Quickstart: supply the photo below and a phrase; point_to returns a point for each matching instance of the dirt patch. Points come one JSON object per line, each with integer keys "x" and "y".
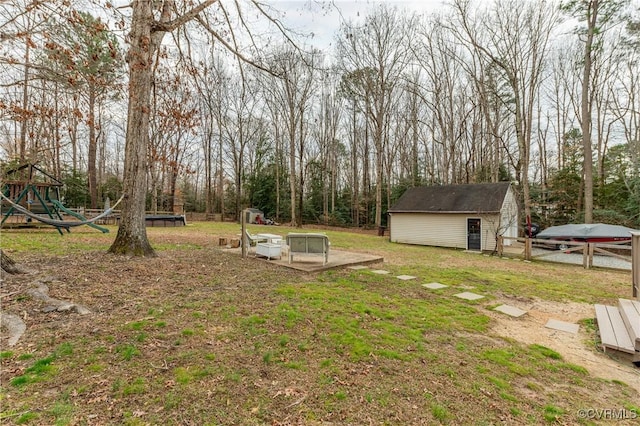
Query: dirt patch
{"x": 580, "y": 349}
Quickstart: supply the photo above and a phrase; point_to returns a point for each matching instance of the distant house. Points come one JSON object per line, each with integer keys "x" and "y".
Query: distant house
{"x": 460, "y": 216}
{"x": 253, "y": 216}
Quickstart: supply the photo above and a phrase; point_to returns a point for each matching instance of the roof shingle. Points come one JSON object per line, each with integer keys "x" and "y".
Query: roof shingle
{"x": 468, "y": 198}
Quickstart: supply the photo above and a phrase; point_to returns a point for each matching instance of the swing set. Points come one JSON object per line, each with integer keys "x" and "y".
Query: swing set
{"x": 32, "y": 192}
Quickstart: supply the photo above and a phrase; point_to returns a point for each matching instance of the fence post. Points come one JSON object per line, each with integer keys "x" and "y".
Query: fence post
{"x": 587, "y": 255}
{"x": 244, "y": 241}
{"x": 528, "y": 244}
{"x": 635, "y": 264}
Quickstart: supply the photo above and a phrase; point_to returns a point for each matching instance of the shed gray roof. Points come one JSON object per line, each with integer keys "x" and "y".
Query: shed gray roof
{"x": 469, "y": 198}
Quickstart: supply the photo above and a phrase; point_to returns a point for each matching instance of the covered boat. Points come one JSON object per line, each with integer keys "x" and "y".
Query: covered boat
{"x": 587, "y": 232}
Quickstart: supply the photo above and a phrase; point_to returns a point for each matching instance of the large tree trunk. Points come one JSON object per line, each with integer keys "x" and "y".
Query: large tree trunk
{"x": 585, "y": 104}
{"x": 132, "y": 233}
{"x": 145, "y": 37}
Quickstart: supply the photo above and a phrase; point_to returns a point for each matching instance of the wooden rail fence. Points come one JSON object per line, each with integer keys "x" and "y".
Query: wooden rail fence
{"x": 635, "y": 264}
{"x": 621, "y": 250}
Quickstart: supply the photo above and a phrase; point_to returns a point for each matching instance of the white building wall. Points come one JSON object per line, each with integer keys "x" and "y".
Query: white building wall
{"x": 509, "y": 217}
{"x": 441, "y": 230}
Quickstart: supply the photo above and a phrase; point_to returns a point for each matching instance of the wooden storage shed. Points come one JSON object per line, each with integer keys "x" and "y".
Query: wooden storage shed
{"x": 466, "y": 217}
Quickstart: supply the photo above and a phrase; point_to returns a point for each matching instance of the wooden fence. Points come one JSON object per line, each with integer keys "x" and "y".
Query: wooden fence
{"x": 190, "y": 216}
{"x": 525, "y": 246}
{"x": 113, "y": 218}
{"x": 635, "y": 264}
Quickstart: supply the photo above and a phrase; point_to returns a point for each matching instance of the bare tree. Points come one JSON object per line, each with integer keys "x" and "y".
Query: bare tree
{"x": 326, "y": 134}
{"x": 605, "y": 75}
{"x": 409, "y": 144}
{"x": 376, "y": 54}
{"x": 626, "y": 104}
{"x": 447, "y": 94}
{"x": 150, "y": 21}
{"x": 145, "y": 37}
{"x": 358, "y": 136}
{"x": 175, "y": 118}
{"x": 210, "y": 82}
{"x": 596, "y": 15}
{"x": 561, "y": 90}
{"x": 276, "y": 115}
{"x": 242, "y": 129}
{"x": 292, "y": 94}
{"x": 515, "y": 38}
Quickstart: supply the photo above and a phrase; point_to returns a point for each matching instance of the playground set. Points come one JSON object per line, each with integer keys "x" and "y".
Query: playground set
{"x": 28, "y": 192}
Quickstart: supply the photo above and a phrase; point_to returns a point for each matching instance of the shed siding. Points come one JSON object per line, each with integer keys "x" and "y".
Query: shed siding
{"x": 444, "y": 230}
{"x": 509, "y": 216}
{"x": 440, "y": 229}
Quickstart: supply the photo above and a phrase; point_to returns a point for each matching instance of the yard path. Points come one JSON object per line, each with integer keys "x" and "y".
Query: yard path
{"x": 575, "y": 349}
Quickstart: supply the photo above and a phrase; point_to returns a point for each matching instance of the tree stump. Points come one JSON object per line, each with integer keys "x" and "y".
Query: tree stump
{"x": 222, "y": 241}
{"x": 234, "y": 243}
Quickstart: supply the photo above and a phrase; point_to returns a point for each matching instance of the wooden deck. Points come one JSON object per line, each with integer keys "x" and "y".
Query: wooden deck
{"x": 337, "y": 259}
{"x": 620, "y": 326}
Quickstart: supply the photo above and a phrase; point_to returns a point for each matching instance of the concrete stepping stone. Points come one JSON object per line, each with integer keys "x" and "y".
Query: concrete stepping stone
{"x": 406, "y": 277}
{"x": 357, "y": 267}
{"x": 467, "y": 295}
{"x": 380, "y": 272}
{"x": 567, "y": 327}
{"x": 510, "y": 310}
{"x": 434, "y": 286}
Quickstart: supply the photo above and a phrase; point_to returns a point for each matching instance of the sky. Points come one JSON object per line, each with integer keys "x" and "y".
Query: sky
{"x": 322, "y": 18}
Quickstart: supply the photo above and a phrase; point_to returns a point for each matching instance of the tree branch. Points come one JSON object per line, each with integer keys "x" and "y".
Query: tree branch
{"x": 276, "y": 22}
{"x": 169, "y": 26}
{"x": 232, "y": 49}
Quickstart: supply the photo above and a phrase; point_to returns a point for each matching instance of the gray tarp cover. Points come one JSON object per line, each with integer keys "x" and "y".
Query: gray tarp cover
{"x": 585, "y": 230}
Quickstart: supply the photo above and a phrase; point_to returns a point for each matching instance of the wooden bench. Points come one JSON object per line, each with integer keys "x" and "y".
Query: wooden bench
{"x": 630, "y": 313}
{"x": 613, "y": 333}
{"x": 620, "y": 327}
{"x": 308, "y": 244}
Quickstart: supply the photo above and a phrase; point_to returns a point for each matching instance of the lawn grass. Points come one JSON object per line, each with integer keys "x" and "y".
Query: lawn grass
{"x": 200, "y": 336}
